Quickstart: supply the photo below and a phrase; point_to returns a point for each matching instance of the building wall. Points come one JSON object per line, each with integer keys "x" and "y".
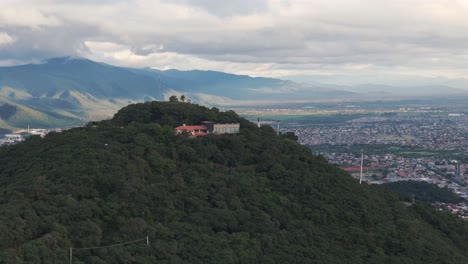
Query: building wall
{"x": 226, "y": 128}
{"x": 209, "y": 125}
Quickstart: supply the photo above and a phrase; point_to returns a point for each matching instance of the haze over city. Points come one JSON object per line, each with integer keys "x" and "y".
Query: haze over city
{"x": 418, "y": 42}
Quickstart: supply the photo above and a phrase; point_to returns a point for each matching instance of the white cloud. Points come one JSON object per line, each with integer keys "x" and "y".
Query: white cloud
{"x": 261, "y": 38}
{"x": 123, "y": 55}
{"x": 6, "y": 39}
{"x": 19, "y": 13}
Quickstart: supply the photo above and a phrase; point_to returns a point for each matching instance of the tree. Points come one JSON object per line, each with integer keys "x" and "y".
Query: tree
{"x": 182, "y": 98}
{"x": 290, "y": 135}
{"x": 173, "y": 99}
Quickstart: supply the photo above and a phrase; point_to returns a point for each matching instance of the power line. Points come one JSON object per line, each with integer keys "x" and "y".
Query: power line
{"x": 108, "y": 246}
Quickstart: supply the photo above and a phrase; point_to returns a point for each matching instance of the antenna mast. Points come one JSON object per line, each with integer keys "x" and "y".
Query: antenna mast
{"x": 362, "y": 159}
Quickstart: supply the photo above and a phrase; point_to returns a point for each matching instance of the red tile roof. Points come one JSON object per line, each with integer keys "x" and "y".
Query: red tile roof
{"x": 191, "y": 128}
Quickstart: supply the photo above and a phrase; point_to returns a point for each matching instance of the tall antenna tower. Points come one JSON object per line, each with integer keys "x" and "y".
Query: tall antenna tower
{"x": 362, "y": 160}
{"x": 277, "y": 128}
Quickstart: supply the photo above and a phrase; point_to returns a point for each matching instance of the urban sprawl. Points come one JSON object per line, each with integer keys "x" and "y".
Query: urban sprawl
{"x": 428, "y": 146}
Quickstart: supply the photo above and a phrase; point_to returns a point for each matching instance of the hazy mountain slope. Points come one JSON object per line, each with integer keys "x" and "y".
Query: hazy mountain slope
{"x": 243, "y": 87}
{"x": 75, "y": 89}
{"x": 82, "y": 89}
{"x": 400, "y": 85}
{"x": 69, "y": 90}
{"x": 251, "y": 198}
{"x": 388, "y": 90}
{"x": 15, "y": 115}
{"x": 59, "y": 75}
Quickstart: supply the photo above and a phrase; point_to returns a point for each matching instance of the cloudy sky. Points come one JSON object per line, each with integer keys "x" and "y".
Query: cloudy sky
{"x": 340, "y": 40}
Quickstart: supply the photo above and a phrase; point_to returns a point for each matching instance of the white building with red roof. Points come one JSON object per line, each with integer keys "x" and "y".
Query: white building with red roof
{"x": 208, "y": 128}
{"x": 194, "y": 131}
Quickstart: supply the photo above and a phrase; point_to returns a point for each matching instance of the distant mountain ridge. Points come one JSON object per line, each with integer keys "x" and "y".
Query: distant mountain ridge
{"x": 68, "y": 91}
{"x": 59, "y": 75}
{"x": 391, "y": 90}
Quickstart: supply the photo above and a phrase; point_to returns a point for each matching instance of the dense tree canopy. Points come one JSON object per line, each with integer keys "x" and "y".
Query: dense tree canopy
{"x": 423, "y": 191}
{"x": 251, "y": 198}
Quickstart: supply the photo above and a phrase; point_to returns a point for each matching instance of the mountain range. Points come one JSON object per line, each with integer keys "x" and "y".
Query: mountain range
{"x": 68, "y": 91}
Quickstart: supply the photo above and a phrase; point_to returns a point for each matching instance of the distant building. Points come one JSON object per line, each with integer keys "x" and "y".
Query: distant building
{"x": 194, "y": 131}
{"x": 38, "y": 132}
{"x": 11, "y": 139}
{"x": 208, "y": 127}
{"x": 211, "y": 127}
{"x": 14, "y": 137}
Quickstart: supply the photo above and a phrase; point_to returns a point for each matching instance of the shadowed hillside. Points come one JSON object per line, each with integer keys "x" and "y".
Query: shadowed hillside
{"x": 423, "y": 191}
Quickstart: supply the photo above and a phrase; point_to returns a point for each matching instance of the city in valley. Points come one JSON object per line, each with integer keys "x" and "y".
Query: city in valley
{"x": 395, "y": 142}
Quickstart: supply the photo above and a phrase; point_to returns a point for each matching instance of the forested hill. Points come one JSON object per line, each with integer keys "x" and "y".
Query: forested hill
{"x": 423, "y": 191}
{"x": 251, "y": 198}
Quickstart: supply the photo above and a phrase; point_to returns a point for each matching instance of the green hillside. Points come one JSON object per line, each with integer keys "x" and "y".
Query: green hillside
{"x": 251, "y": 198}
{"x": 423, "y": 191}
